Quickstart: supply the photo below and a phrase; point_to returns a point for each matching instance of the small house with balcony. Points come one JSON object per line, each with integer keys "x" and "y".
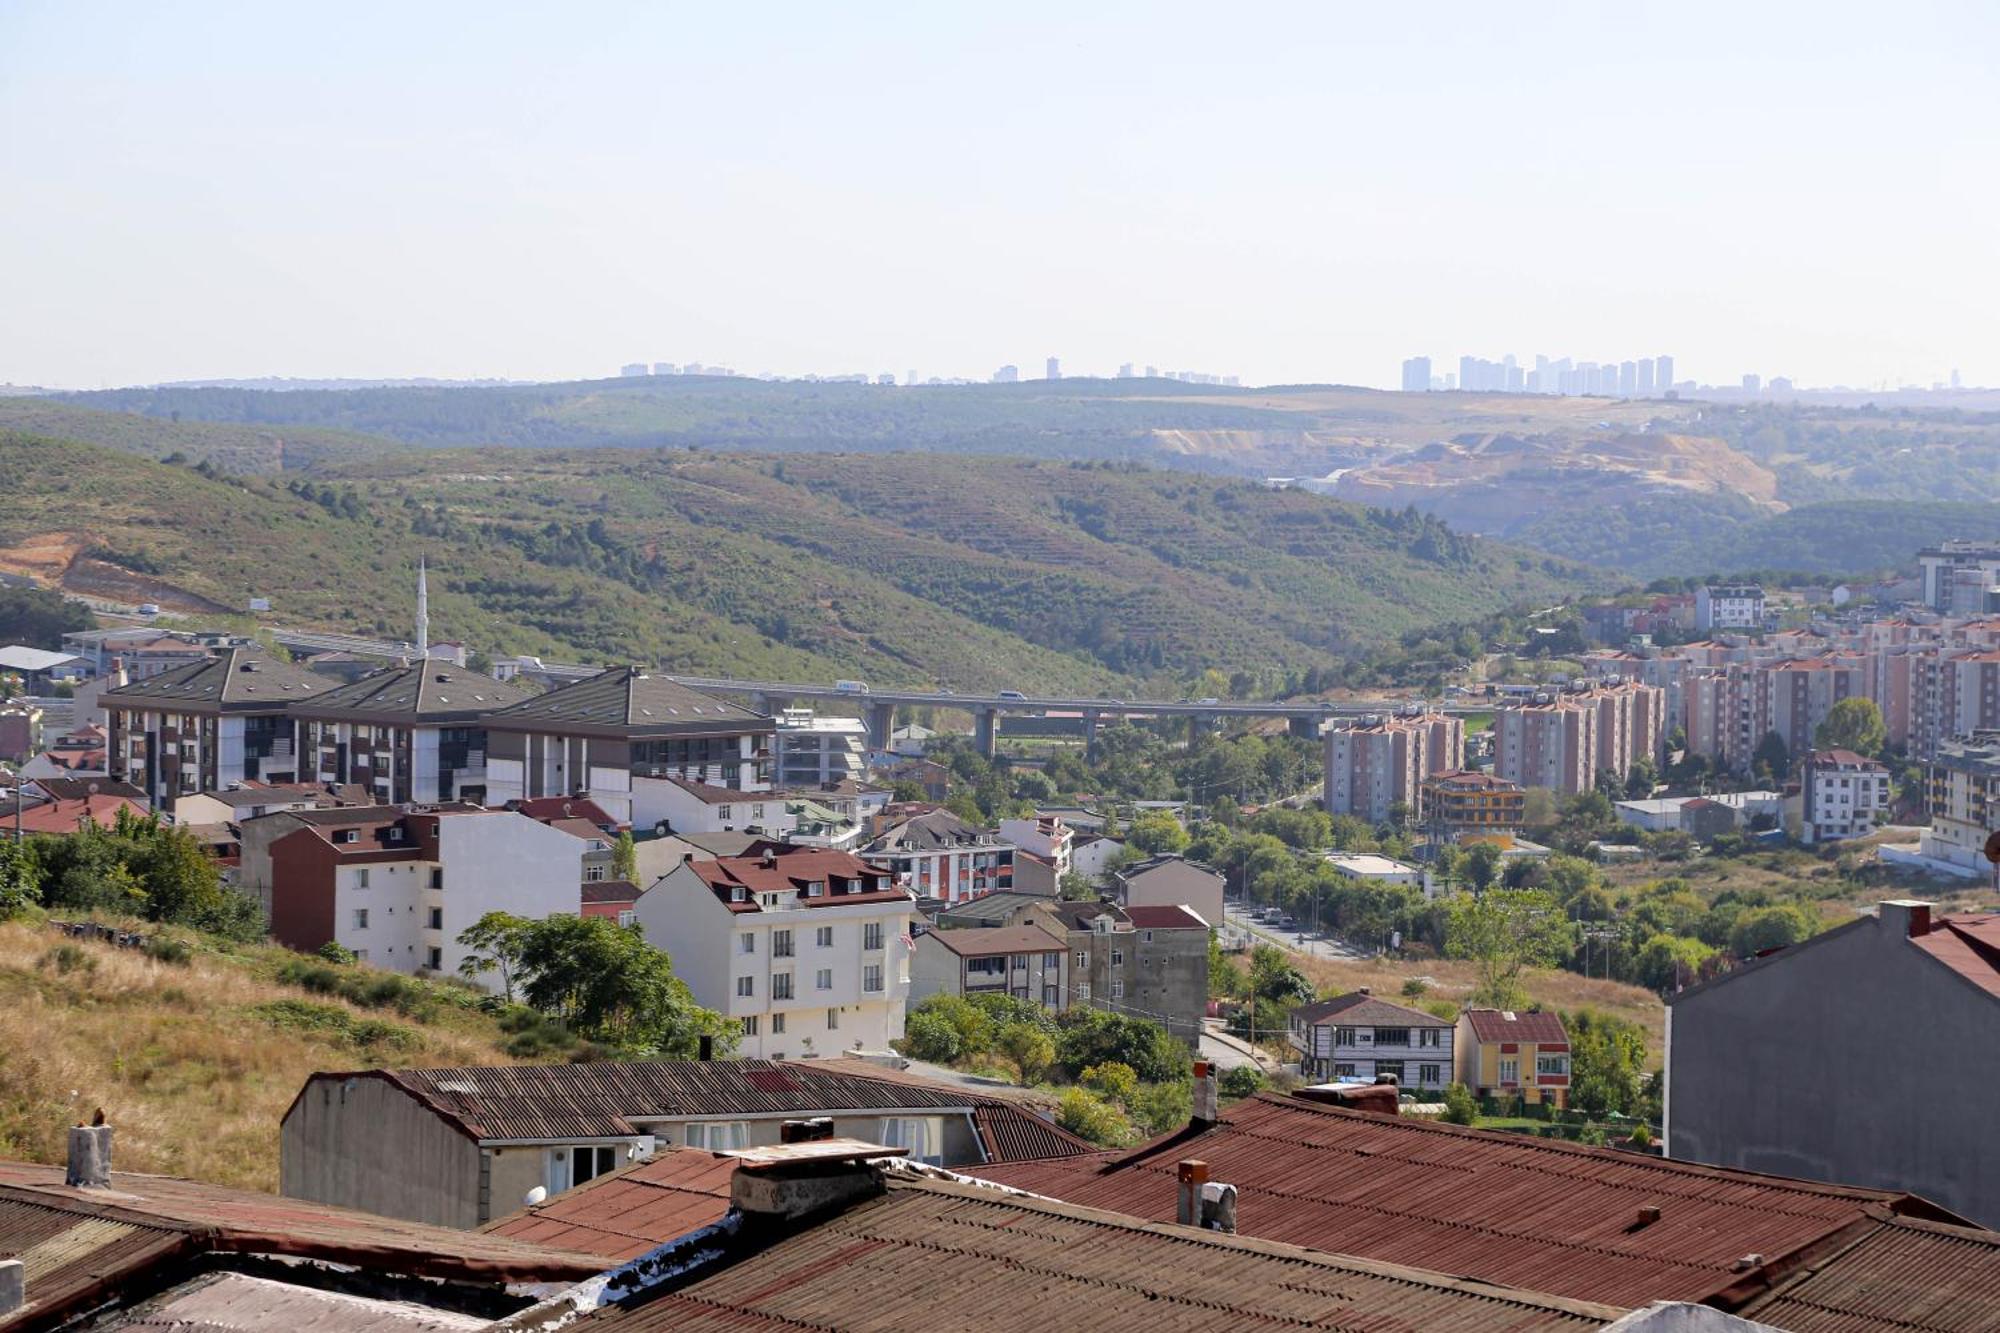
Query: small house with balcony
{"x": 1514, "y": 1053}
{"x": 1028, "y": 962}
{"x": 1358, "y": 1037}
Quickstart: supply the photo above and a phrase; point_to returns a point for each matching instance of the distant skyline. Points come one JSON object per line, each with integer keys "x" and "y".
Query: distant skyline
{"x": 1290, "y": 193}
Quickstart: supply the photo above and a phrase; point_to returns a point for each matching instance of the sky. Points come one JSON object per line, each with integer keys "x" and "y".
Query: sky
{"x": 1289, "y": 193}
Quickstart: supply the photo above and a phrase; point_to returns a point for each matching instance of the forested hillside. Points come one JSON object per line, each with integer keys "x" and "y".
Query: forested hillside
{"x": 909, "y": 569}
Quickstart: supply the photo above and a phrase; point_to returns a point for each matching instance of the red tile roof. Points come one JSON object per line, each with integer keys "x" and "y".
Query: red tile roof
{"x": 1166, "y": 918}
{"x": 1969, "y": 946}
{"x": 625, "y": 1214}
{"x": 545, "y": 808}
{"x": 610, "y": 891}
{"x": 1537, "y": 1213}
{"x": 65, "y": 816}
{"x": 1516, "y": 1025}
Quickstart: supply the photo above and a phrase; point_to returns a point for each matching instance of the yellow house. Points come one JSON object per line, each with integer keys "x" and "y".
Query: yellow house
{"x": 1525, "y": 1054}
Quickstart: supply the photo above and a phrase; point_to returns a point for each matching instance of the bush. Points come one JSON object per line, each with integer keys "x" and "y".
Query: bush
{"x": 1088, "y": 1116}
{"x": 335, "y": 952}
{"x": 68, "y": 958}
{"x": 1460, "y": 1106}
{"x": 1242, "y": 1081}
{"x": 1415, "y": 988}
{"x": 1094, "y": 1037}
{"x": 168, "y": 949}
{"x": 1160, "y": 1107}
{"x": 931, "y": 1037}
{"x": 1111, "y": 1080}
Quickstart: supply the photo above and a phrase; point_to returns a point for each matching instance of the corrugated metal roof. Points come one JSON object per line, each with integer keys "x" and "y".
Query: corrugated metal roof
{"x": 1536, "y": 1213}
{"x": 934, "y": 1255}
{"x": 1896, "y": 1273}
{"x": 68, "y": 1254}
{"x": 625, "y": 1214}
{"x": 608, "y": 1099}
{"x": 240, "y": 1303}
{"x": 1511, "y": 1025}
{"x": 1010, "y": 1134}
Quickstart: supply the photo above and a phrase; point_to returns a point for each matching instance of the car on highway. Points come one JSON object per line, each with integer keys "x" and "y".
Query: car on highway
{"x": 1288, "y": 923}
{"x": 1208, "y": 701}
{"x": 1013, "y": 694}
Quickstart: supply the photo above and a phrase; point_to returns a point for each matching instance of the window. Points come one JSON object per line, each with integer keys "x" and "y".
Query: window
{"x": 722, "y": 812}
{"x": 395, "y": 833}
{"x": 833, "y": 1020}
{"x": 361, "y": 918}
{"x": 749, "y": 1022}
{"x": 1343, "y": 1071}
{"x": 434, "y": 959}
{"x": 1428, "y": 1036}
{"x": 593, "y": 872}
{"x": 1083, "y": 990}
{"x": 1082, "y": 958}
{"x": 911, "y": 1135}
{"x": 570, "y": 1167}
{"x": 823, "y": 979}
{"x": 1427, "y": 1075}
{"x": 345, "y": 835}
{"x": 777, "y": 1025}
{"x": 719, "y": 1135}
{"x": 823, "y": 937}
{"x": 1392, "y": 1036}
{"x": 781, "y": 944}
{"x": 1052, "y": 962}
{"x": 1393, "y": 1068}
{"x": 815, "y": 888}
{"x": 781, "y": 986}
{"x": 871, "y": 978}
{"x": 1117, "y": 989}
{"x": 871, "y": 935}
{"x": 437, "y": 877}
{"x": 627, "y": 916}
{"x": 749, "y": 941}
{"x": 1117, "y": 958}
{"x": 436, "y": 920}
{"x": 361, "y": 878}
{"x": 746, "y": 987}
{"x": 1343, "y": 1036}
{"x": 992, "y": 966}
{"x": 1510, "y": 1072}
{"x": 1552, "y": 1064}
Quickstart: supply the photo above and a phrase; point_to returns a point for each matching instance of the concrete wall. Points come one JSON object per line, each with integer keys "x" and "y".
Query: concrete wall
{"x": 363, "y": 1143}
{"x": 1858, "y": 1059}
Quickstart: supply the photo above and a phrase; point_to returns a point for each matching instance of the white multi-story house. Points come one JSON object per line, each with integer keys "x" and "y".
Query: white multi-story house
{"x": 808, "y": 949}
{"x": 935, "y": 854}
{"x": 817, "y": 751}
{"x": 1358, "y": 1038}
{"x": 399, "y": 886}
{"x": 1843, "y": 795}
{"x": 695, "y": 807}
{"x": 1045, "y": 836}
{"x": 1729, "y": 606}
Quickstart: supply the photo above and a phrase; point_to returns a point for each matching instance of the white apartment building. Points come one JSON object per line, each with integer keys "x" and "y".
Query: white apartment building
{"x": 1356, "y": 1037}
{"x": 815, "y": 751}
{"x": 1964, "y": 800}
{"x": 1729, "y": 606}
{"x": 1843, "y": 795}
{"x": 807, "y": 949}
{"x": 696, "y": 807}
{"x": 935, "y": 854}
{"x": 1045, "y": 836}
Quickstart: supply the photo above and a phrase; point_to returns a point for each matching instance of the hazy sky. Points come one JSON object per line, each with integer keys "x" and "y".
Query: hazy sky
{"x": 1285, "y": 192}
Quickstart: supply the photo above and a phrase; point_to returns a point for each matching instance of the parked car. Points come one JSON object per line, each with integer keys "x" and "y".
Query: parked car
{"x": 1289, "y": 923}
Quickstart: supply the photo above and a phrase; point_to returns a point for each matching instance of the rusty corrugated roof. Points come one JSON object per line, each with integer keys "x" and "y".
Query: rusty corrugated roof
{"x": 1891, "y": 1273}
{"x": 625, "y": 1214}
{"x": 1536, "y": 1213}
{"x": 70, "y": 1255}
{"x": 934, "y": 1255}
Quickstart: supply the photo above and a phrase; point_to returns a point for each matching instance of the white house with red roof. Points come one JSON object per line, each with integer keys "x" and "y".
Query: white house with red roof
{"x": 808, "y": 949}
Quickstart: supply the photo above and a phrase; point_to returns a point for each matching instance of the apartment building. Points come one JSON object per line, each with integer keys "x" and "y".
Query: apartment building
{"x": 1460, "y": 802}
{"x": 1358, "y": 1038}
{"x": 1382, "y": 762}
{"x": 398, "y": 886}
{"x": 1842, "y": 795}
{"x": 1964, "y": 799}
{"x": 1550, "y": 742}
{"x": 618, "y": 737}
{"x": 209, "y": 725}
{"x": 1792, "y": 697}
{"x": 1631, "y": 724}
{"x": 814, "y": 751}
{"x": 1954, "y": 573}
{"x": 1172, "y": 881}
{"x": 935, "y": 854}
{"x": 1953, "y": 694}
{"x": 410, "y": 733}
{"x": 1047, "y": 837}
{"x": 808, "y": 949}
{"x": 1729, "y": 606}
{"x": 687, "y": 807}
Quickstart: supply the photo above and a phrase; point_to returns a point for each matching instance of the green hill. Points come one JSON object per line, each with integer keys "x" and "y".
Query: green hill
{"x": 909, "y": 568}
{"x": 229, "y": 446}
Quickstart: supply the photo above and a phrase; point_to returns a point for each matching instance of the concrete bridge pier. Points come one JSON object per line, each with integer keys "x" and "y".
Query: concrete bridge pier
{"x": 986, "y": 731}
{"x": 1200, "y": 725}
{"x": 881, "y": 724}
{"x": 770, "y": 705}
{"x": 1090, "y": 720}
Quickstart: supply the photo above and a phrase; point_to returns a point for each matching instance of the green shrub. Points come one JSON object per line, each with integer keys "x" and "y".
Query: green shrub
{"x": 335, "y": 952}
{"x": 1111, "y": 1080}
{"x": 1242, "y": 1081}
{"x": 168, "y": 949}
{"x": 68, "y": 958}
{"x": 1088, "y": 1116}
{"x": 931, "y": 1037}
{"x": 1460, "y": 1106}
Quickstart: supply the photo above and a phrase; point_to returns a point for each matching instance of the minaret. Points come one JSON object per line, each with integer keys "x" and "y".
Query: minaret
{"x": 423, "y": 613}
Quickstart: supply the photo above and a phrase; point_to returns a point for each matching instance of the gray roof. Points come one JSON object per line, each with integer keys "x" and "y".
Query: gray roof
{"x": 432, "y": 691}
{"x": 238, "y": 680}
{"x": 1359, "y": 1009}
{"x": 630, "y": 700}
{"x": 927, "y": 832}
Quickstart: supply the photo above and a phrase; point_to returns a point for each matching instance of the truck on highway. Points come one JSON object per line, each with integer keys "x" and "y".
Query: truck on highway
{"x": 851, "y": 686}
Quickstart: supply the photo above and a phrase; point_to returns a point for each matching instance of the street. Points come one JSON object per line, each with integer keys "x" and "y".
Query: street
{"x": 1241, "y": 922}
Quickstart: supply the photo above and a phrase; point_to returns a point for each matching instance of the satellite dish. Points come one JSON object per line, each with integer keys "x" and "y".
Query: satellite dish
{"x": 1993, "y": 847}
{"x": 534, "y": 1196}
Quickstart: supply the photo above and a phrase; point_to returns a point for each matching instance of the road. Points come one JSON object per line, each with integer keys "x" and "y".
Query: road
{"x": 1333, "y": 950}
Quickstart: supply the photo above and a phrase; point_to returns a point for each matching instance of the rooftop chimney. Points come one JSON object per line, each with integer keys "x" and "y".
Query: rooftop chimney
{"x": 706, "y": 1049}
{"x": 1204, "y": 1112}
{"x": 1189, "y": 1176}
{"x": 1363, "y": 990}
{"x": 13, "y": 1286}
{"x": 775, "y": 1186}
{"x": 89, "y": 1156}
{"x": 1911, "y": 915}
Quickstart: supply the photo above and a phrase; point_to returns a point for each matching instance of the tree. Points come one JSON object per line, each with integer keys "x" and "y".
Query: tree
{"x": 38, "y": 618}
{"x": 1077, "y": 888}
{"x": 625, "y": 858}
{"x": 1481, "y": 865}
{"x": 1505, "y": 932}
{"x": 1607, "y": 1062}
{"x": 20, "y": 886}
{"x": 1764, "y": 928}
{"x": 930, "y": 1037}
{"x": 1460, "y": 1106}
{"x": 496, "y": 941}
{"x": 1156, "y": 832}
{"x": 1111, "y": 1080}
{"x": 1771, "y": 761}
{"x": 1668, "y": 962}
{"x": 904, "y": 791}
{"x": 610, "y": 986}
{"x": 1087, "y": 1037}
{"x": 1027, "y": 1048}
{"x": 1852, "y": 724}
{"x": 1088, "y": 1116}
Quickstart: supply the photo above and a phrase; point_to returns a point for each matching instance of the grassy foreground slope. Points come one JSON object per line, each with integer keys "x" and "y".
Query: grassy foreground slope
{"x": 910, "y": 569}
{"x": 195, "y": 1062}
